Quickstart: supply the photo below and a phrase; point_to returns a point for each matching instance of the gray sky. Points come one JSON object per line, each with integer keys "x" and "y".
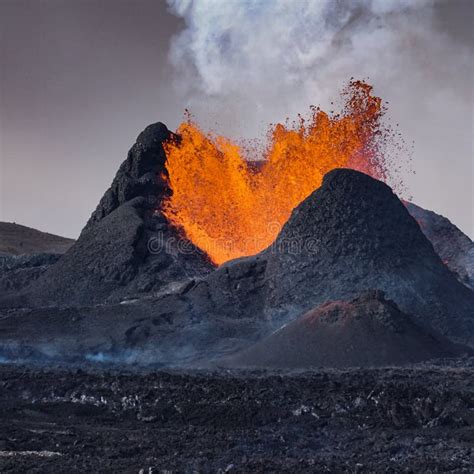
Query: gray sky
{"x": 81, "y": 78}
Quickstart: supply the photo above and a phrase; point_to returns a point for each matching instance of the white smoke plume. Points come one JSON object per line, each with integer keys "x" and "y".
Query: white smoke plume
{"x": 241, "y": 64}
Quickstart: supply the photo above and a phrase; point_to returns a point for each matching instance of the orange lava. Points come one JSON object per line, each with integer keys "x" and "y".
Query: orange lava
{"x": 230, "y": 207}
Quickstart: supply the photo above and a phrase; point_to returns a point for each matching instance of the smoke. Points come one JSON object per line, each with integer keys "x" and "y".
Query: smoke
{"x": 243, "y": 64}
{"x": 61, "y": 352}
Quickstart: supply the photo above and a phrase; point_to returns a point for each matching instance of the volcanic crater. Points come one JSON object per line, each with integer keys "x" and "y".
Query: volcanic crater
{"x": 135, "y": 287}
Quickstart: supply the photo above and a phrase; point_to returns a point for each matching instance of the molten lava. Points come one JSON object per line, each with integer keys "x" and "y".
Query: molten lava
{"x": 230, "y": 207}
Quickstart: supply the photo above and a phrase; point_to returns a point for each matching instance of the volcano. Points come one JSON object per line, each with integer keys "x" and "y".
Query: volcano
{"x": 366, "y": 331}
{"x": 222, "y": 188}
{"x": 127, "y": 246}
{"x": 351, "y": 234}
{"x": 134, "y": 282}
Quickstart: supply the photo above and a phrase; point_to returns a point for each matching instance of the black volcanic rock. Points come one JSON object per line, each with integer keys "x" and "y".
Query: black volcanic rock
{"x": 411, "y": 420}
{"x": 455, "y": 248}
{"x": 127, "y": 247}
{"x": 140, "y": 175}
{"x": 351, "y": 234}
{"x": 354, "y": 233}
{"x": 368, "y": 331}
{"x": 19, "y": 271}
{"x": 25, "y": 254}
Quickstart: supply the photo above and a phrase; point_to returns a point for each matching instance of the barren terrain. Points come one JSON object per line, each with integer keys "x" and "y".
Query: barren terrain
{"x": 418, "y": 419}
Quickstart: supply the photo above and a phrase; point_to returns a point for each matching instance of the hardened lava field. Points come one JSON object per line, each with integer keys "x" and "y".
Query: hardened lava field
{"x": 417, "y": 419}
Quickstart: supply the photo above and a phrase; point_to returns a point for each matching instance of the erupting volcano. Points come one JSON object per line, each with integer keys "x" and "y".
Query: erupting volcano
{"x": 230, "y": 206}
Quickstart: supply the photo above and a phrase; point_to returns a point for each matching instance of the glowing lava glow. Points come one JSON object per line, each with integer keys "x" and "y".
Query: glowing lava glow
{"x": 230, "y": 207}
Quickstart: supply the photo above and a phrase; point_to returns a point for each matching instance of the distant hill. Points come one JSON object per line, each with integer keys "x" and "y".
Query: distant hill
{"x": 455, "y": 249}
{"x": 16, "y": 239}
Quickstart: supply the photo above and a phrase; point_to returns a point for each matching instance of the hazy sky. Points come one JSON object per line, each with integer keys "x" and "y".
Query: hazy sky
{"x": 81, "y": 78}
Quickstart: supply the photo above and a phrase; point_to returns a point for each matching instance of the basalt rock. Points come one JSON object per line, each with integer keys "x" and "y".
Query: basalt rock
{"x": 455, "y": 248}
{"x": 368, "y": 331}
{"x": 351, "y": 234}
{"x": 415, "y": 419}
{"x": 18, "y": 271}
{"x": 142, "y": 175}
{"x": 127, "y": 246}
{"x": 25, "y": 254}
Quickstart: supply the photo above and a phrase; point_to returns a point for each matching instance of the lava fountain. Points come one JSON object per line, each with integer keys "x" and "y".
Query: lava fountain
{"x": 231, "y": 207}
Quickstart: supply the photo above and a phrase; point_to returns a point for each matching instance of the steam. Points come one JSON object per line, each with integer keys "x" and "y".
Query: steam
{"x": 243, "y": 64}
{"x": 264, "y": 60}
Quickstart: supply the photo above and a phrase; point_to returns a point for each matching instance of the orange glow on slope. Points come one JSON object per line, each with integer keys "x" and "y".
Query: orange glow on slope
{"x": 230, "y": 207}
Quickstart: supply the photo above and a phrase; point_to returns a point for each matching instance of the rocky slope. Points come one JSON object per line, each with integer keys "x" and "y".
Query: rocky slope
{"x": 18, "y": 239}
{"x": 25, "y": 254}
{"x": 455, "y": 248}
{"x": 351, "y": 234}
{"x": 19, "y": 271}
{"x": 367, "y": 331}
{"x": 127, "y": 247}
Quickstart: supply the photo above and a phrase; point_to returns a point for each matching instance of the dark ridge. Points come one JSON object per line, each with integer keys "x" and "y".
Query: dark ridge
{"x": 455, "y": 249}
{"x": 25, "y": 254}
{"x": 127, "y": 247}
{"x": 354, "y": 233}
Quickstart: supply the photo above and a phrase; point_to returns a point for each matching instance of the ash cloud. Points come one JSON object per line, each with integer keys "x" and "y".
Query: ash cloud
{"x": 243, "y": 64}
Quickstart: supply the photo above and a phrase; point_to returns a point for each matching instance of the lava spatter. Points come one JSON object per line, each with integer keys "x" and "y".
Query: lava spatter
{"x": 230, "y": 207}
